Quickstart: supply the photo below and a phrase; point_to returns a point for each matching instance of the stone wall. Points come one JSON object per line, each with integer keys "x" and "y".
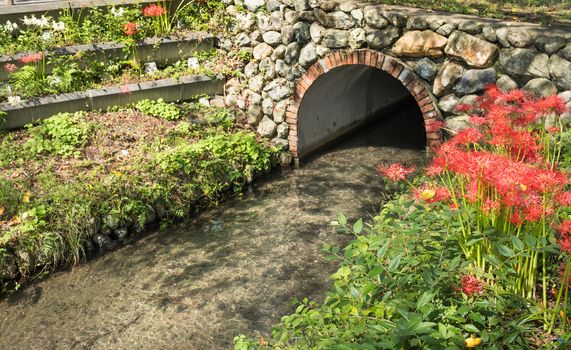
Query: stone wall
{"x": 442, "y": 59}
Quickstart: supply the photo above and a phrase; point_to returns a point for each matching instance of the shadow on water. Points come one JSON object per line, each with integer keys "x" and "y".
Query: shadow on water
{"x": 229, "y": 271}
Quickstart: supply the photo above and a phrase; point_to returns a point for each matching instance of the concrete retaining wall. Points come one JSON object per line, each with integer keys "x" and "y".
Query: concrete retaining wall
{"x": 170, "y": 90}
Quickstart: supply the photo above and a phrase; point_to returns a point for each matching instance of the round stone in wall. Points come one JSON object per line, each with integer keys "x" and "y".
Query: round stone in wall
{"x": 448, "y": 103}
{"x": 308, "y": 55}
{"x": 550, "y": 44}
{"x": 560, "y": 72}
{"x": 374, "y": 18}
{"x": 426, "y": 69}
{"x": 506, "y": 84}
{"x": 420, "y": 44}
{"x": 253, "y": 5}
{"x": 475, "y": 80}
{"x": 520, "y": 37}
{"x": 267, "y": 127}
{"x": 380, "y": 39}
{"x": 335, "y": 38}
{"x": 357, "y": 38}
{"x": 540, "y": 88}
{"x": 272, "y": 38}
{"x": 262, "y": 51}
{"x": 455, "y": 124}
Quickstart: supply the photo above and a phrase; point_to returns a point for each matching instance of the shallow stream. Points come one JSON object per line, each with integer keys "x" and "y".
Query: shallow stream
{"x": 231, "y": 270}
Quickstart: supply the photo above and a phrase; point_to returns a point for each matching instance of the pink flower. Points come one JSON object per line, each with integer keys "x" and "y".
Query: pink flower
{"x": 470, "y": 285}
{"x": 395, "y": 171}
{"x": 32, "y": 58}
{"x": 130, "y": 28}
{"x": 153, "y": 10}
{"x": 10, "y": 67}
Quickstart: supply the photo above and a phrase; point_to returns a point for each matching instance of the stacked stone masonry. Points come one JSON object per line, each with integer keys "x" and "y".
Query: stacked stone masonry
{"x": 443, "y": 60}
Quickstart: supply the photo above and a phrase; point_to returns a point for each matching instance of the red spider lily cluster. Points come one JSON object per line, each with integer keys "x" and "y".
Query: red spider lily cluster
{"x": 395, "y": 171}
{"x": 154, "y": 10}
{"x": 502, "y": 159}
{"x": 32, "y": 58}
{"x": 130, "y": 28}
{"x": 504, "y": 168}
{"x": 470, "y": 285}
{"x": 10, "y": 67}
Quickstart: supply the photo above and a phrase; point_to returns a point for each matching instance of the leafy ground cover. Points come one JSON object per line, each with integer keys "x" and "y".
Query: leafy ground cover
{"x": 77, "y": 176}
{"x": 536, "y": 11}
{"x": 110, "y": 24}
{"x": 78, "y": 73}
{"x": 476, "y": 255}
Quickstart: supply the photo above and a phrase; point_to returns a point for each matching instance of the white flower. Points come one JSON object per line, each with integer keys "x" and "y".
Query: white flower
{"x": 38, "y": 22}
{"x": 58, "y": 26}
{"x": 44, "y": 22}
{"x": 14, "y": 100}
{"x": 47, "y": 35}
{"x": 10, "y": 27}
{"x": 28, "y": 21}
{"x": 118, "y": 12}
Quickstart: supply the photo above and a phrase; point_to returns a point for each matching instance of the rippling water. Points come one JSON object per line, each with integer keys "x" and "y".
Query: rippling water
{"x": 230, "y": 270}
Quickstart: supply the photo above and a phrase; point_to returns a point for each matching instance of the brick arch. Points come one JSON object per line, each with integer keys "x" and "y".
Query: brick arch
{"x": 417, "y": 87}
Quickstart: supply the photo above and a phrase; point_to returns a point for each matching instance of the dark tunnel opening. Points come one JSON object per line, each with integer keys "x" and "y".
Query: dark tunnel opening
{"x": 351, "y": 98}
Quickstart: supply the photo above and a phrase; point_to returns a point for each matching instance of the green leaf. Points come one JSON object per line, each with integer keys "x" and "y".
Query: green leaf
{"x": 505, "y": 250}
{"x": 424, "y": 299}
{"x": 358, "y": 226}
{"x": 383, "y": 250}
{"x": 517, "y": 243}
{"x": 342, "y": 219}
{"x": 394, "y": 263}
{"x": 471, "y": 328}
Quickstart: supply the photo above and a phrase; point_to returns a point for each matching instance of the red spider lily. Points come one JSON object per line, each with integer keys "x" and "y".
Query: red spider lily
{"x": 477, "y": 121}
{"x": 434, "y": 170}
{"x": 10, "y": 67}
{"x": 130, "y": 28}
{"x": 470, "y": 285}
{"x": 32, "y": 58}
{"x": 434, "y": 125}
{"x": 466, "y": 136}
{"x": 565, "y": 244}
{"x": 564, "y": 198}
{"x": 565, "y": 228}
{"x": 516, "y": 219}
{"x": 395, "y": 171}
{"x": 491, "y": 206}
{"x": 154, "y": 10}
{"x": 462, "y": 108}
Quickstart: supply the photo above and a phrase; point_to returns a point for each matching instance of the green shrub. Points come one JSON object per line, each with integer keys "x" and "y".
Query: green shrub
{"x": 399, "y": 287}
{"x": 63, "y": 134}
{"x": 159, "y": 109}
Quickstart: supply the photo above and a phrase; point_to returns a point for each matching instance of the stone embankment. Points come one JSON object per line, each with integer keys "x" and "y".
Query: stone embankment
{"x": 455, "y": 56}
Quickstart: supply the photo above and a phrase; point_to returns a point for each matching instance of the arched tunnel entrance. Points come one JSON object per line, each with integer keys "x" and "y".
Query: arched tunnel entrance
{"x": 350, "y": 97}
{"x": 348, "y": 91}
